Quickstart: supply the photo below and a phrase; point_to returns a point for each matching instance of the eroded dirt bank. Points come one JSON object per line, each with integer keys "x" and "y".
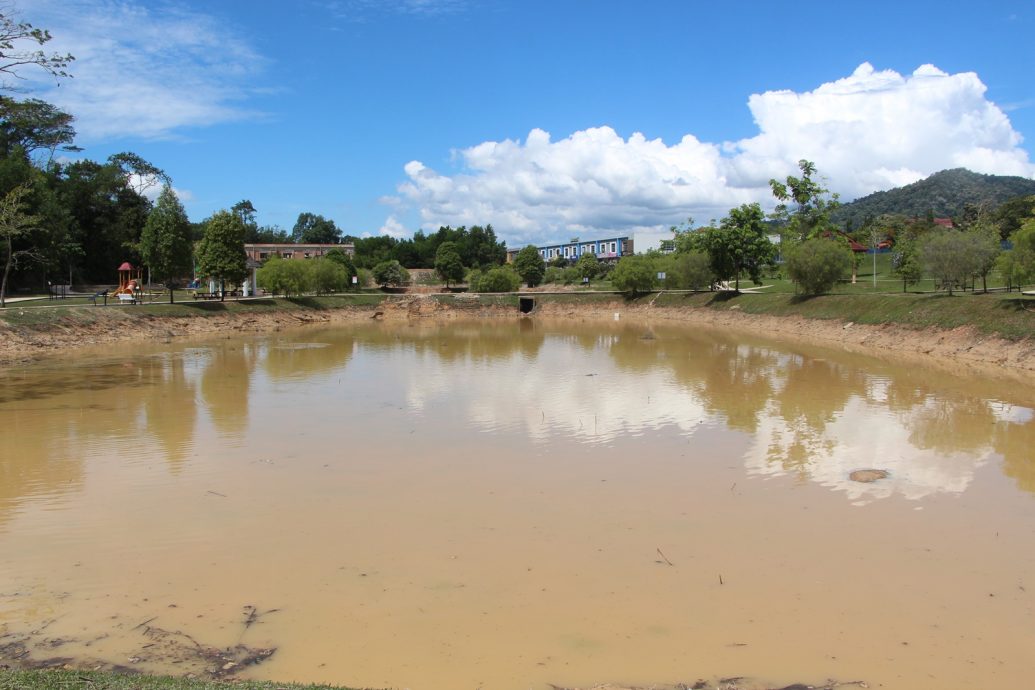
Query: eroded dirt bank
{"x": 955, "y": 347}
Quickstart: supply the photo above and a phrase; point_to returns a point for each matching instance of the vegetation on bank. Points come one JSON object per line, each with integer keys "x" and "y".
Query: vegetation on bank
{"x": 96, "y": 680}
{"x": 54, "y": 312}
{"x": 1006, "y": 315}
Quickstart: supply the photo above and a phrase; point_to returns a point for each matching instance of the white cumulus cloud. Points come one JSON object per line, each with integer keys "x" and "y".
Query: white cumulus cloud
{"x": 871, "y": 130}
{"x": 144, "y": 70}
{"x": 393, "y": 228}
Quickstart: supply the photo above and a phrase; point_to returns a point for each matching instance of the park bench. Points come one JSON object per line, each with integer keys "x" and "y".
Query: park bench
{"x": 125, "y": 298}
{"x": 206, "y": 295}
{"x": 102, "y": 293}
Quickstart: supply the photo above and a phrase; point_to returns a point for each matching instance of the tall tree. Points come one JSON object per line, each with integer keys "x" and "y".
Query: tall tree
{"x": 141, "y": 175}
{"x": 106, "y": 217}
{"x": 340, "y": 257}
{"x": 314, "y": 229}
{"x": 950, "y": 257}
{"x": 739, "y": 246}
{"x": 14, "y": 223}
{"x": 530, "y": 265}
{"x": 1024, "y": 249}
{"x": 14, "y": 56}
{"x": 448, "y": 264}
{"x": 35, "y": 126}
{"x": 805, "y": 205}
{"x": 165, "y": 243}
{"x": 221, "y": 251}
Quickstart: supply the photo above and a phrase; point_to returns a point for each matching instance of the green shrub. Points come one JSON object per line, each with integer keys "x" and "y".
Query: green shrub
{"x": 689, "y": 271}
{"x": 634, "y": 274}
{"x": 499, "y": 279}
{"x": 553, "y": 275}
{"x": 391, "y": 273}
{"x": 817, "y": 264}
{"x": 327, "y": 275}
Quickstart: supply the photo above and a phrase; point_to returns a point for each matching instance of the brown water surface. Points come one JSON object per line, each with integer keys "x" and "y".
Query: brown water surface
{"x": 509, "y": 505}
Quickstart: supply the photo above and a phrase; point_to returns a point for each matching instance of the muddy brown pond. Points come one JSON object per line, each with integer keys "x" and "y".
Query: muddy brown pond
{"x": 515, "y": 505}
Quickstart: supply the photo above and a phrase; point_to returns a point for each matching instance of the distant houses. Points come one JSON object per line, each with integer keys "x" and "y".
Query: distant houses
{"x": 609, "y": 249}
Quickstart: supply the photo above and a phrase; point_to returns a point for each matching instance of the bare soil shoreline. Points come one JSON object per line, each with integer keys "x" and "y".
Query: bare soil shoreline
{"x": 22, "y": 344}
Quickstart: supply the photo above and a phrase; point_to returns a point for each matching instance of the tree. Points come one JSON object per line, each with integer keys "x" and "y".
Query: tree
{"x": 689, "y": 271}
{"x": 326, "y": 275}
{"x": 390, "y": 273}
{"x": 530, "y": 265}
{"x": 34, "y": 125}
{"x": 817, "y": 264}
{"x": 949, "y": 256}
{"x": 480, "y": 247}
{"x": 634, "y": 274}
{"x": 905, "y": 262}
{"x": 272, "y": 277}
{"x": 140, "y": 175}
{"x": 810, "y": 214}
{"x": 105, "y": 217}
{"x": 221, "y": 251}
{"x": 165, "y": 243}
{"x": 586, "y": 267}
{"x": 740, "y": 245}
{"x": 341, "y": 257}
{"x": 13, "y": 57}
{"x": 1024, "y": 249}
{"x": 1011, "y": 270}
{"x": 1013, "y": 213}
{"x": 448, "y": 264}
{"x": 245, "y": 210}
{"x": 985, "y": 246}
{"x": 314, "y": 229}
{"x": 14, "y": 223}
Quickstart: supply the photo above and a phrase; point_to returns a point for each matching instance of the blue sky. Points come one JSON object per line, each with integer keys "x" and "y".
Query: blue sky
{"x": 546, "y": 119}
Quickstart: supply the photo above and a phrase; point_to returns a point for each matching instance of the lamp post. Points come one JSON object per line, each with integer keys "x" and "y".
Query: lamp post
{"x": 874, "y": 241}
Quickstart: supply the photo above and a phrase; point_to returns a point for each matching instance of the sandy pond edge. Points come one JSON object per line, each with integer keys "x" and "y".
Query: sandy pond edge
{"x": 938, "y": 347}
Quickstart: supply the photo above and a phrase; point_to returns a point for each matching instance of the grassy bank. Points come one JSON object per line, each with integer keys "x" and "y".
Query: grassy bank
{"x": 1007, "y": 315}
{"x": 95, "y": 680}
{"x": 52, "y": 312}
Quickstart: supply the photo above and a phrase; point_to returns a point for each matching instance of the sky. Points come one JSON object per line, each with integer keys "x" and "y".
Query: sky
{"x": 548, "y": 120}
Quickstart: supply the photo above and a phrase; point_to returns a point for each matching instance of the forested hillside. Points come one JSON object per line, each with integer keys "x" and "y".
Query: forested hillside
{"x": 943, "y": 194}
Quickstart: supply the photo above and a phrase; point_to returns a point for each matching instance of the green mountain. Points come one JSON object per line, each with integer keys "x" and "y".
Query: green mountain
{"x": 944, "y": 194}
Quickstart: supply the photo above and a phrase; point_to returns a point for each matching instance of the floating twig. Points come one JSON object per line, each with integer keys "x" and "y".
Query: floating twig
{"x": 216, "y": 493}
{"x": 665, "y": 558}
{"x": 140, "y": 625}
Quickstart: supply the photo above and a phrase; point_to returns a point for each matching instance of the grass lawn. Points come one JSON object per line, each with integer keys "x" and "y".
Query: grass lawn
{"x": 1007, "y": 315}
{"x": 93, "y": 680}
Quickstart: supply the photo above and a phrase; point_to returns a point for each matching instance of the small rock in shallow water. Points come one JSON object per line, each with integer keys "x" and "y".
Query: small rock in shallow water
{"x": 867, "y": 476}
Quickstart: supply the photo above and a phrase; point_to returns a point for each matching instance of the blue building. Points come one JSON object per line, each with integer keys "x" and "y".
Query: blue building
{"x": 610, "y": 249}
